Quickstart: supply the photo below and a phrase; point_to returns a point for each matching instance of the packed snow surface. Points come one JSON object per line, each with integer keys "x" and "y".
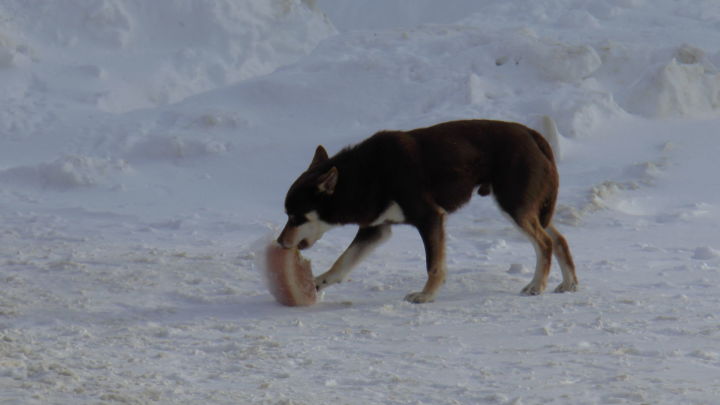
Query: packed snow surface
{"x": 146, "y": 148}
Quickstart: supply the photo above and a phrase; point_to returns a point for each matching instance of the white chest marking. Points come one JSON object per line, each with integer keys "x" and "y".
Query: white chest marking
{"x": 393, "y": 214}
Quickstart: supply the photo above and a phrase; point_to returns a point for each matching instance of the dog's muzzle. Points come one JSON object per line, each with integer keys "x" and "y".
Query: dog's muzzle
{"x": 284, "y": 239}
{"x": 289, "y": 238}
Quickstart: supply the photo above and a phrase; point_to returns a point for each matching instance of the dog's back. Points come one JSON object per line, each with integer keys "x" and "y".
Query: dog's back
{"x": 507, "y": 158}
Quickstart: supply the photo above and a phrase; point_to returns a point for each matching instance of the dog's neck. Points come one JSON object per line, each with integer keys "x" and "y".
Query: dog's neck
{"x": 360, "y": 182}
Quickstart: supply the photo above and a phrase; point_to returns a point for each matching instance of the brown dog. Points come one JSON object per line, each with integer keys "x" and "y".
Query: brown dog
{"x": 417, "y": 177}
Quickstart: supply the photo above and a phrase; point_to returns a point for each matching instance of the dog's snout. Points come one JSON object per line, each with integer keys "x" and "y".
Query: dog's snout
{"x": 282, "y": 239}
{"x": 288, "y": 237}
{"x": 303, "y": 236}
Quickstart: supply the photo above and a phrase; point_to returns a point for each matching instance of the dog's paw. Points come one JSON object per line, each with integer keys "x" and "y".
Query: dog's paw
{"x": 321, "y": 282}
{"x": 566, "y": 287}
{"x": 326, "y": 280}
{"x": 419, "y": 298}
{"x": 533, "y": 289}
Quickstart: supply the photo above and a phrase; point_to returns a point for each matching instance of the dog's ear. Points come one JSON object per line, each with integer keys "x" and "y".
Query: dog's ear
{"x": 321, "y": 155}
{"x": 328, "y": 181}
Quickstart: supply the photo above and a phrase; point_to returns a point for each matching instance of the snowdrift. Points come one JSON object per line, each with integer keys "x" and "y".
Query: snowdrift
{"x": 686, "y": 86}
{"x": 119, "y": 55}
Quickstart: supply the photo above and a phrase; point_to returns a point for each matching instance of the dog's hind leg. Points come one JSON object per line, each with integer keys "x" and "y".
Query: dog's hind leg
{"x": 543, "y": 244}
{"x": 564, "y": 258}
{"x": 432, "y": 231}
{"x": 366, "y": 240}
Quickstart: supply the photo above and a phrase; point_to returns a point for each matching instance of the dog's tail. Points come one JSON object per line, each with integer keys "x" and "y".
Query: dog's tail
{"x": 547, "y": 144}
{"x": 550, "y": 131}
{"x": 543, "y": 145}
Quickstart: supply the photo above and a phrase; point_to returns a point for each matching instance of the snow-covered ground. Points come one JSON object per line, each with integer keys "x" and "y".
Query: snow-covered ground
{"x": 146, "y": 148}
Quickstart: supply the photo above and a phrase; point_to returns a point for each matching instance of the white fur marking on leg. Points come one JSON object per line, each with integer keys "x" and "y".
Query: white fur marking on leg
{"x": 349, "y": 259}
{"x": 393, "y": 214}
{"x": 341, "y": 268}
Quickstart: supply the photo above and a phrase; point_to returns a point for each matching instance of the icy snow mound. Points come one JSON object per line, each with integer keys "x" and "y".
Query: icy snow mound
{"x": 687, "y": 86}
{"x": 66, "y": 173}
{"x": 585, "y": 61}
{"x": 501, "y": 61}
{"x": 348, "y": 15}
{"x": 119, "y": 55}
{"x": 159, "y": 148}
{"x": 706, "y": 253}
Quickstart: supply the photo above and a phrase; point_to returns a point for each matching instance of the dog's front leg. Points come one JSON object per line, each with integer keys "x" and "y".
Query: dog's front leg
{"x": 432, "y": 231}
{"x": 366, "y": 240}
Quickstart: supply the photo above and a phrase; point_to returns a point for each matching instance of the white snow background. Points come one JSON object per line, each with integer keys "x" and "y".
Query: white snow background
{"x": 146, "y": 147}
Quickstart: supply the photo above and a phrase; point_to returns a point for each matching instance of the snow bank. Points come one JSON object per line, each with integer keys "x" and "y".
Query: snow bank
{"x": 464, "y": 69}
{"x": 118, "y": 55}
{"x": 677, "y": 89}
{"x": 348, "y": 15}
{"x": 565, "y": 62}
{"x": 706, "y": 253}
{"x": 158, "y": 148}
{"x": 66, "y": 173}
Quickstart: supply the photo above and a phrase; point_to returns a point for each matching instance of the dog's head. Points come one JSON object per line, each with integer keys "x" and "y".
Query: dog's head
{"x": 303, "y": 203}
